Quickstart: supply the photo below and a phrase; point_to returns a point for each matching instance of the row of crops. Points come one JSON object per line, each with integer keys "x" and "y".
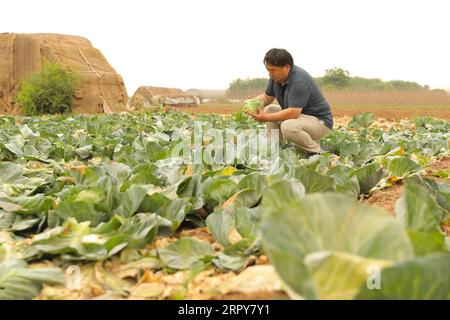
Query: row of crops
{"x": 87, "y": 189}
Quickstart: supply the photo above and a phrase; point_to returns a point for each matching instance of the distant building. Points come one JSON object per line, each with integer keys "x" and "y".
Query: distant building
{"x": 146, "y": 96}
{"x": 208, "y": 95}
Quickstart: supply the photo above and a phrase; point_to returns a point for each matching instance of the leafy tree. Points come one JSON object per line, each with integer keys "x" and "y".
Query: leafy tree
{"x": 246, "y": 88}
{"x": 336, "y": 78}
{"x": 405, "y": 85}
{"x": 48, "y": 91}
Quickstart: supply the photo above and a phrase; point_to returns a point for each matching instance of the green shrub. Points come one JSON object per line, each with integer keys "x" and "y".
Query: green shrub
{"x": 48, "y": 91}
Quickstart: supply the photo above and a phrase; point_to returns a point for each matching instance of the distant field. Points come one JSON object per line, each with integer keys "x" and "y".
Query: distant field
{"x": 388, "y": 97}
{"x": 364, "y": 97}
{"x": 389, "y": 104}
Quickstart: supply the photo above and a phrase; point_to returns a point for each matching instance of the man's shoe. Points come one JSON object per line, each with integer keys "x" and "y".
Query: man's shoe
{"x": 312, "y": 154}
{"x": 326, "y": 149}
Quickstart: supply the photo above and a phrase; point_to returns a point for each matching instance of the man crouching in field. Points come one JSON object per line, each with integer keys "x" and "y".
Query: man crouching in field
{"x": 303, "y": 116}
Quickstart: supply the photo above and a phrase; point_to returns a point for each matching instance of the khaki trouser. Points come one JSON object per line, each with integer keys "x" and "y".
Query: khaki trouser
{"x": 304, "y": 131}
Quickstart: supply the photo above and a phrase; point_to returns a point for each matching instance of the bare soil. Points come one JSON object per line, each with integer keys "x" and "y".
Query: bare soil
{"x": 386, "y": 198}
{"x": 388, "y": 113}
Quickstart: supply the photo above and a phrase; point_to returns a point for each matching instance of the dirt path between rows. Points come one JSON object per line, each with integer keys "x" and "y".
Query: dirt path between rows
{"x": 386, "y": 198}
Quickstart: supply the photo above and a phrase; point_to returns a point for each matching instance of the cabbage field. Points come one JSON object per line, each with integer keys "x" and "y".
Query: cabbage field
{"x": 105, "y": 207}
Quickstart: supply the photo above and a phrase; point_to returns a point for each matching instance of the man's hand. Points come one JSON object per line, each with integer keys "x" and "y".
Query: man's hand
{"x": 289, "y": 113}
{"x": 260, "y": 116}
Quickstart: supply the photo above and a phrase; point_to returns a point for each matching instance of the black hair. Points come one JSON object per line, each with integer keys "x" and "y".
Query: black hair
{"x": 278, "y": 58}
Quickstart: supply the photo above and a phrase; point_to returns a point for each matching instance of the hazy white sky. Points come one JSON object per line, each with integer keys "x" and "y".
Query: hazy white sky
{"x": 207, "y": 44}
